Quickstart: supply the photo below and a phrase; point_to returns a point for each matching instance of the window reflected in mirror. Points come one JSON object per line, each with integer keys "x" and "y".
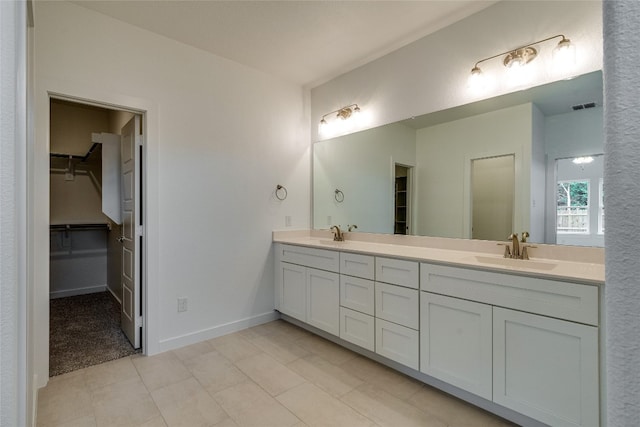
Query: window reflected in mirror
{"x": 580, "y": 201}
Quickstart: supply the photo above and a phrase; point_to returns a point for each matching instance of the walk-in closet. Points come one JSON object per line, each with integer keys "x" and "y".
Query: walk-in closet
{"x": 86, "y": 230}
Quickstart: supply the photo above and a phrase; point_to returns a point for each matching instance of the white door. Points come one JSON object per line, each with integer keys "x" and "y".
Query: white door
{"x": 493, "y": 195}
{"x": 131, "y": 316}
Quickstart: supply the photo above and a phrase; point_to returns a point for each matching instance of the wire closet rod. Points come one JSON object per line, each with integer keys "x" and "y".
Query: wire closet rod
{"x": 68, "y": 227}
{"x": 75, "y": 156}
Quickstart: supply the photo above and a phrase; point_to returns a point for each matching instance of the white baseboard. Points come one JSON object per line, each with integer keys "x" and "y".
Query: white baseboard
{"x": 77, "y": 291}
{"x": 216, "y": 331}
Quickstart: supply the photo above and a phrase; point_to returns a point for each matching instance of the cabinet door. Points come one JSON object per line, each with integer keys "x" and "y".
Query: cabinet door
{"x": 456, "y": 342}
{"x": 323, "y": 300}
{"x": 546, "y": 368}
{"x": 292, "y": 283}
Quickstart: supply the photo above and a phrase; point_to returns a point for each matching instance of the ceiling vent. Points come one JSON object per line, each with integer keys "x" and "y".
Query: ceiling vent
{"x": 583, "y": 106}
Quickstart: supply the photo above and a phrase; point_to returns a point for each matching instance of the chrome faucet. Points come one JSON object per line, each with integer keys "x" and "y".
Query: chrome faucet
{"x": 352, "y": 227}
{"x": 337, "y": 234}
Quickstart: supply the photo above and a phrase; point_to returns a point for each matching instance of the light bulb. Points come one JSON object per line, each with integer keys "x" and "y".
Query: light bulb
{"x": 477, "y": 80}
{"x": 564, "y": 55}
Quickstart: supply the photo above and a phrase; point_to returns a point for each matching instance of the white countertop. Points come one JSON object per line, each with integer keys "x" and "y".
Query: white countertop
{"x": 575, "y": 271}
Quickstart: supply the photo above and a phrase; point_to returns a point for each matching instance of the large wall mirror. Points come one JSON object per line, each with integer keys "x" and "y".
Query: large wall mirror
{"x": 526, "y": 161}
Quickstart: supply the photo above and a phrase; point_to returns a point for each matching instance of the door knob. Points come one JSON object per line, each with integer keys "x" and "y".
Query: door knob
{"x": 121, "y": 239}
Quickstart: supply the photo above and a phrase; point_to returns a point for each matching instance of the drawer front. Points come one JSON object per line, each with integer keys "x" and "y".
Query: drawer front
{"x": 397, "y": 304}
{"x": 357, "y": 265}
{"x": 357, "y": 328}
{"x": 357, "y": 294}
{"x": 397, "y": 272}
{"x": 569, "y": 301}
{"x": 310, "y": 257}
{"x": 397, "y": 343}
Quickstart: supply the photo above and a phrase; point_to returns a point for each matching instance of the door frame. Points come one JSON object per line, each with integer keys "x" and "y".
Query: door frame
{"x": 38, "y": 211}
{"x": 142, "y": 248}
{"x": 410, "y": 191}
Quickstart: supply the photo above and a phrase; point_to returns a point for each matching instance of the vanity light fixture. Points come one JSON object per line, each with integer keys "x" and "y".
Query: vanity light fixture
{"x": 563, "y": 53}
{"x": 343, "y": 113}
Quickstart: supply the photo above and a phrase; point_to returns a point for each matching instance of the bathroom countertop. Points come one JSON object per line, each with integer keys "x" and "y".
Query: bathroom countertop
{"x": 557, "y": 269}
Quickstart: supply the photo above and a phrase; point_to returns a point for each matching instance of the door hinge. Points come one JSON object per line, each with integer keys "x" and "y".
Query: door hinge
{"x": 139, "y": 322}
{"x": 140, "y": 230}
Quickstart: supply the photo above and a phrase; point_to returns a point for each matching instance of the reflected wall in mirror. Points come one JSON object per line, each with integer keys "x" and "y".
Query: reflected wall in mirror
{"x": 536, "y": 127}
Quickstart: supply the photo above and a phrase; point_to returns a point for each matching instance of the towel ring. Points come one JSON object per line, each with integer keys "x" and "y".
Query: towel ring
{"x": 281, "y": 192}
{"x": 339, "y": 196}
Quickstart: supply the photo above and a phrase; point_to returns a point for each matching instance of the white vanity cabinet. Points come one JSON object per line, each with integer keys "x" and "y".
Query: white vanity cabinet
{"x": 526, "y": 343}
{"x": 523, "y": 343}
{"x": 308, "y": 286}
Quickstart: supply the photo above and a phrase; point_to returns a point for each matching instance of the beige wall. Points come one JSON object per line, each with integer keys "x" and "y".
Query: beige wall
{"x": 78, "y": 200}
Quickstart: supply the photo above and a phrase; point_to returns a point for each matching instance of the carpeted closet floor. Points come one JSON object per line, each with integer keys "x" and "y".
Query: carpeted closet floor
{"x": 85, "y": 330}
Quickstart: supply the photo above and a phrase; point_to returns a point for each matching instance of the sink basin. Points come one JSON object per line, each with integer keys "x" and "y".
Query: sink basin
{"x": 515, "y": 263}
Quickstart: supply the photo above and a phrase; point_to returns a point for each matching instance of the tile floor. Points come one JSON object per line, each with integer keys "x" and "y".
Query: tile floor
{"x": 274, "y": 374}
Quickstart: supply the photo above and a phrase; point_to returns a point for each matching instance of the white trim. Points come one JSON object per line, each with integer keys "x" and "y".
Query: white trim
{"x": 80, "y": 92}
{"x": 77, "y": 291}
{"x": 216, "y": 331}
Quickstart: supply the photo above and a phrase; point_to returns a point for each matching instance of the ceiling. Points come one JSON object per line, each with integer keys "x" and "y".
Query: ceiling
{"x": 304, "y": 42}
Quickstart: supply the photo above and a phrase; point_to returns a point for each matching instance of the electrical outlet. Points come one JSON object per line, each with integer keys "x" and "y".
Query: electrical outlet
{"x": 328, "y": 219}
{"x": 182, "y": 305}
{"x": 287, "y": 221}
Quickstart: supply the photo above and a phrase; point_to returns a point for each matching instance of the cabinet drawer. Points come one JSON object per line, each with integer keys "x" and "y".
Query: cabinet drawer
{"x": 357, "y": 328}
{"x": 397, "y": 272}
{"x": 546, "y": 368}
{"x": 570, "y": 301}
{"x": 397, "y": 343}
{"x": 357, "y": 265}
{"x": 456, "y": 342}
{"x": 309, "y": 257}
{"x": 397, "y": 304}
{"x": 357, "y": 294}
